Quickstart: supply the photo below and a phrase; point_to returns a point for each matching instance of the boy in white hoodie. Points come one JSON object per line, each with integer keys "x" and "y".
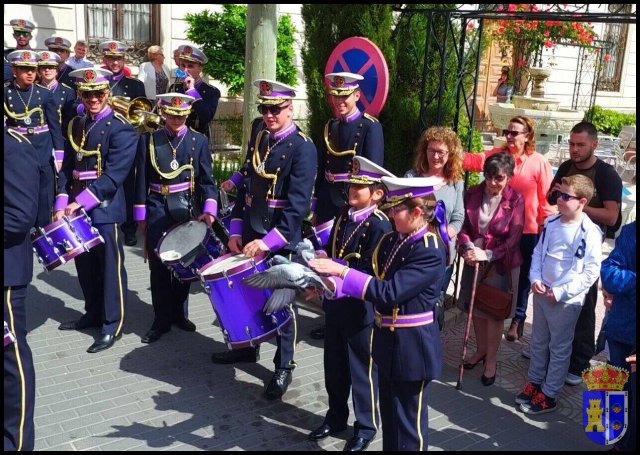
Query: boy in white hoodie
{"x": 565, "y": 264}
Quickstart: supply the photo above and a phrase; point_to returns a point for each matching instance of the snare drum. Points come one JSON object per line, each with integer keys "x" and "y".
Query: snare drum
{"x": 238, "y": 306}
{"x": 61, "y": 241}
{"x": 187, "y": 247}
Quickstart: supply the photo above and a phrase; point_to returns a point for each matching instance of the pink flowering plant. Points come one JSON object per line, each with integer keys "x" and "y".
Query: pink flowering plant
{"x": 525, "y": 36}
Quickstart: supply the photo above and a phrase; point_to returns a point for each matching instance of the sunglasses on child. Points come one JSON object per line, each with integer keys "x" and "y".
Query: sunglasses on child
{"x": 274, "y": 110}
{"x": 566, "y": 197}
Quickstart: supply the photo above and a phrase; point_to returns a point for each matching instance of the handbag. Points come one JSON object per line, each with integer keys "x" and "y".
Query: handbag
{"x": 494, "y": 301}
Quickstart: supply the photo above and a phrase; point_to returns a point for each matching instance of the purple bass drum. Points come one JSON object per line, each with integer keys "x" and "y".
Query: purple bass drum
{"x": 238, "y": 306}
{"x": 188, "y": 246}
{"x": 61, "y": 241}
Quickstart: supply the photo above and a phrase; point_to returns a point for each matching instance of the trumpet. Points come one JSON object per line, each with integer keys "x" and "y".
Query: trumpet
{"x": 151, "y": 120}
{"x": 131, "y": 109}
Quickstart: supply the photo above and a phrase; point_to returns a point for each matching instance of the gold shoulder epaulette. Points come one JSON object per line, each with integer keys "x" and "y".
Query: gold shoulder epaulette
{"x": 120, "y": 117}
{"x": 7, "y": 84}
{"x": 370, "y": 117}
{"x": 18, "y": 136}
{"x": 304, "y": 136}
{"x": 66, "y": 86}
{"x": 381, "y": 215}
{"x": 42, "y": 86}
{"x": 433, "y": 237}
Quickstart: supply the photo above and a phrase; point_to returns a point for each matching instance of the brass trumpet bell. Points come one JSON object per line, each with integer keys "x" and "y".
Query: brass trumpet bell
{"x": 152, "y": 121}
{"x": 130, "y": 109}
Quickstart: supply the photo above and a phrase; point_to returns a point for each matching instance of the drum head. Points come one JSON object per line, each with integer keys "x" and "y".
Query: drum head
{"x": 223, "y": 264}
{"x": 181, "y": 240}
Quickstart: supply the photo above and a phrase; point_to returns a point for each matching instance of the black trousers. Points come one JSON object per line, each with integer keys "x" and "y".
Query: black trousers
{"x": 19, "y": 375}
{"x": 45, "y": 195}
{"x": 584, "y": 339}
{"x": 103, "y": 280}
{"x": 129, "y": 226}
{"x": 170, "y": 296}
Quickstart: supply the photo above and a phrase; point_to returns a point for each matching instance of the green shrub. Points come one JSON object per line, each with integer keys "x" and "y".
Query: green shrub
{"x": 224, "y": 166}
{"x": 608, "y": 121}
{"x": 222, "y": 38}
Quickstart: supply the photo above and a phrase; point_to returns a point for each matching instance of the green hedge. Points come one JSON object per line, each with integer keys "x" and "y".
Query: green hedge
{"x": 608, "y": 121}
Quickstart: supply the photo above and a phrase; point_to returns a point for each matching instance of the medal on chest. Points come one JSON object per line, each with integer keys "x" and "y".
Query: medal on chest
{"x": 174, "y": 164}
{"x": 79, "y": 156}
{"x": 27, "y": 120}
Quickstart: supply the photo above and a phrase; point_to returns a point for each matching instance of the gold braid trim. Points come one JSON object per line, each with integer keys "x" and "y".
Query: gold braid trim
{"x": 26, "y": 114}
{"x": 170, "y": 175}
{"x": 330, "y": 148}
{"x": 79, "y": 148}
{"x": 257, "y": 162}
{"x": 374, "y": 260}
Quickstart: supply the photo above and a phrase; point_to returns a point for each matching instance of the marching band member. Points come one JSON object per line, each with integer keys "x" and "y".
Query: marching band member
{"x": 268, "y": 213}
{"x": 98, "y": 157}
{"x": 352, "y": 133}
{"x": 204, "y": 108}
{"x": 408, "y": 268}
{"x": 63, "y": 95}
{"x": 173, "y": 175}
{"x": 31, "y": 110}
{"x": 113, "y": 57}
{"x": 62, "y": 47}
{"x": 22, "y": 33}
{"x": 21, "y": 180}
{"x": 348, "y": 366}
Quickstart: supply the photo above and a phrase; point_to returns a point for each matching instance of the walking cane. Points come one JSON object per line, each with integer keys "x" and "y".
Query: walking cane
{"x": 468, "y": 327}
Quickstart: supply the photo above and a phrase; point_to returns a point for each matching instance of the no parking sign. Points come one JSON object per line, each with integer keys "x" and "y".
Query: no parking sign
{"x": 361, "y": 56}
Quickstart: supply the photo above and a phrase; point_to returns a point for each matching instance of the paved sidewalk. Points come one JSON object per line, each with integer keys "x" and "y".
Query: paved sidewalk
{"x": 169, "y": 396}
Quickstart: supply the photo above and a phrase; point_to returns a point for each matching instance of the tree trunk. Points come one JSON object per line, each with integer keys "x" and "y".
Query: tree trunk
{"x": 260, "y": 57}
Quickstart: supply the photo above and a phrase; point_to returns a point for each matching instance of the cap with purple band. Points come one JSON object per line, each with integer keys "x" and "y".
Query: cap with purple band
{"x": 113, "y": 48}
{"x": 366, "y": 172}
{"x": 273, "y": 92}
{"x": 58, "y": 43}
{"x": 176, "y": 103}
{"x": 343, "y": 84}
{"x": 23, "y": 57}
{"x": 401, "y": 189}
{"x": 89, "y": 79}
{"x": 22, "y": 25}
{"x": 192, "y": 54}
{"x": 48, "y": 58}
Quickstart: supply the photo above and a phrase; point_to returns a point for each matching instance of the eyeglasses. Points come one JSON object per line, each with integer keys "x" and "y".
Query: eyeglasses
{"x": 94, "y": 93}
{"x": 441, "y": 153}
{"x": 20, "y": 33}
{"x": 496, "y": 178}
{"x": 274, "y": 110}
{"x": 565, "y": 197}
{"x": 507, "y": 133}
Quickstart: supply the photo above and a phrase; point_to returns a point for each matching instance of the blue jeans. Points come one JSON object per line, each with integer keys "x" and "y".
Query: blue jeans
{"x": 527, "y": 244}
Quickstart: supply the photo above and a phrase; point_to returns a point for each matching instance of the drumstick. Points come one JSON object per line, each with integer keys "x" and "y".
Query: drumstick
{"x": 144, "y": 248}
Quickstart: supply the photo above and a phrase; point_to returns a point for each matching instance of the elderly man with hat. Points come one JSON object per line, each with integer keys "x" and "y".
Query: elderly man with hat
{"x": 113, "y": 57}
{"x": 351, "y": 133}
{"x": 62, "y": 47}
{"x": 30, "y": 110}
{"x": 174, "y": 184}
{"x": 267, "y": 216}
{"x": 64, "y": 95}
{"x": 22, "y": 33}
{"x": 99, "y": 154}
{"x": 408, "y": 271}
{"x": 204, "y": 108}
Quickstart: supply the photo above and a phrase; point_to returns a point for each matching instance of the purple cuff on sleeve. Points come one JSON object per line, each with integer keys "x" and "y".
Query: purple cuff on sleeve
{"x": 210, "y": 207}
{"x": 355, "y": 283}
{"x": 236, "y": 178}
{"x": 80, "y": 109}
{"x": 193, "y": 92}
{"x": 88, "y": 200}
{"x": 337, "y": 293}
{"x": 274, "y": 240}
{"x": 62, "y": 200}
{"x": 58, "y": 155}
{"x": 139, "y": 212}
{"x": 235, "y": 227}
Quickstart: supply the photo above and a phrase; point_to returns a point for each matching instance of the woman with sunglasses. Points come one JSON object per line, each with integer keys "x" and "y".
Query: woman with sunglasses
{"x": 532, "y": 178}
{"x": 491, "y": 232}
{"x": 408, "y": 265}
{"x": 274, "y": 194}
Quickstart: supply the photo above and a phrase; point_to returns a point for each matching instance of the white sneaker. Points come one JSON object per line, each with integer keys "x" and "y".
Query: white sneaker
{"x": 573, "y": 379}
{"x": 526, "y": 352}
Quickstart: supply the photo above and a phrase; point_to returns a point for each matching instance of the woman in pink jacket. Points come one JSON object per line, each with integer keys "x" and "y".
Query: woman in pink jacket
{"x": 531, "y": 177}
{"x": 494, "y": 218}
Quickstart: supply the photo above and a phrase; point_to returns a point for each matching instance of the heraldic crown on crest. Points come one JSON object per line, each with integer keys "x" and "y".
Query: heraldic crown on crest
{"x": 605, "y": 377}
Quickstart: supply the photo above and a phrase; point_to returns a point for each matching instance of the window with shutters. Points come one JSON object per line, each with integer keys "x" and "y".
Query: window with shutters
{"x": 615, "y": 38}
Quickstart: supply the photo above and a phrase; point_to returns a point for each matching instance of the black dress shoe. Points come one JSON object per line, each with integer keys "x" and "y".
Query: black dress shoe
{"x": 356, "y": 444}
{"x": 278, "y": 385}
{"x": 80, "y": 324}
{"x": 130, "y": 239}
{"x": 323, "y": 431}
{"x": 153, "y": 335}
{"x": 236, "y": 355}
{"x": 103, "y": 342}
{"x": 317, "y": 333}
{"x": 185, "y": 324}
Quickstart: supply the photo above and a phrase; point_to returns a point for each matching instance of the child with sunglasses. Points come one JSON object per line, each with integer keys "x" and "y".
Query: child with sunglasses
{"x": 565, "y": 264}
{"x": 408, "y": 269}
{"x": 348, "y": 365}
